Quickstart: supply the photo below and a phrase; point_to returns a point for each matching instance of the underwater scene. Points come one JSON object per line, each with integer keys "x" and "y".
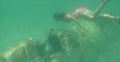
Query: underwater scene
{"x": 59, "y": 31}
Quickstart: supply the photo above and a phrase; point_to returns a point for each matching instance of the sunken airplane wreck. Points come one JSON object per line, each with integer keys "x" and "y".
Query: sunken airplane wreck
{"x": 75, "y": 44}
{"x": 67, "y": 45}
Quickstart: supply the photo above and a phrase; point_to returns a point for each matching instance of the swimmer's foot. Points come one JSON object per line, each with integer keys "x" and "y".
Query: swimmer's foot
{"x": 118, "y": 20}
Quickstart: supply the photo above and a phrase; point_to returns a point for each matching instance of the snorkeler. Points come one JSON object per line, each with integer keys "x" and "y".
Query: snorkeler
{"x": 84, "y": 13}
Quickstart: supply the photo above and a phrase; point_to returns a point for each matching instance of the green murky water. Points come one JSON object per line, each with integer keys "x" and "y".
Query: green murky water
{"x": 20, "y": 19}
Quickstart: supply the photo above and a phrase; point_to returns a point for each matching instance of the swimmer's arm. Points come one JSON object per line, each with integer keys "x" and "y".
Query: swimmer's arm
{"x": 109, "y": 17}
{"x": 100, "y": 7}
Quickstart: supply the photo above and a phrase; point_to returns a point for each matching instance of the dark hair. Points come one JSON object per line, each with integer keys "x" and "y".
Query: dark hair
{"x": 59, "y": 16}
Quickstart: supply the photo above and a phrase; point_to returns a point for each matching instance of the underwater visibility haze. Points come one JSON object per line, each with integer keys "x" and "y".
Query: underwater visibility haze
{"x": 22, "y": 19}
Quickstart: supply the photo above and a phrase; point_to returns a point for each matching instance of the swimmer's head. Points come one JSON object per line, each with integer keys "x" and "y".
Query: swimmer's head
{"x": 59, "y": 16}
